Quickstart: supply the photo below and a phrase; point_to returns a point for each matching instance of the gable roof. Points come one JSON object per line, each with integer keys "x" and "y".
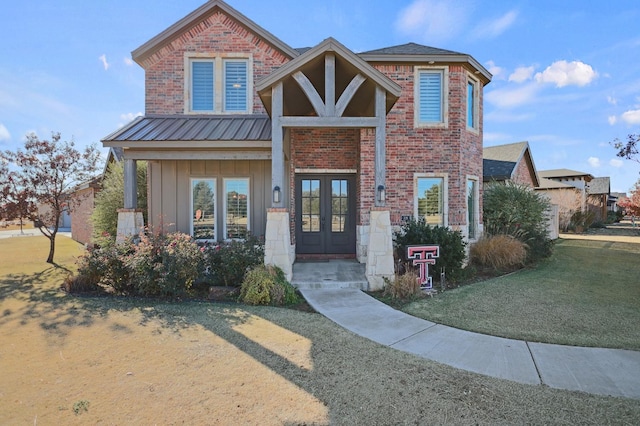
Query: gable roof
{"x": 500, "y": 161}
{"x": 200, "y": 14}
{"x": 553, "y": 184}
{"x": 328, "y": 45}
{"x": 413, "y": 52}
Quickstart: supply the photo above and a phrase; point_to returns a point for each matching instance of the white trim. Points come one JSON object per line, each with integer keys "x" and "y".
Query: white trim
{"x": 224, "y": 203}
{"x": 215, "y": 212}
{"x": 445, "y": 193}
{"x": 444, "y": 124}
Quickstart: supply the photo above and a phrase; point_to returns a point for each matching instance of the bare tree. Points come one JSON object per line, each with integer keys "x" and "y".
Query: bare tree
{"x": 40, "y": 179}
{"x": 628, "y": 149}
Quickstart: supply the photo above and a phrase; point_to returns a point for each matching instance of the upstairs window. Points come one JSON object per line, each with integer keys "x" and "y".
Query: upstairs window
{"x": 218, "y": 85}
{"x": 472, "y": 105}
{"x": 430, "y": 95}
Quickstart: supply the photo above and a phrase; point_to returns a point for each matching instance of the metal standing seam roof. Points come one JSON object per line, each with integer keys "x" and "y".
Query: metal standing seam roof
{"x": 195, "y": 128}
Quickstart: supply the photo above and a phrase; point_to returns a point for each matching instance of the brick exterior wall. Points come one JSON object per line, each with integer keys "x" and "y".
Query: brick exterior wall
{"x": 83, "y": 203}
{"x": 524, "y": 174}
{"x": 165, "y": 73}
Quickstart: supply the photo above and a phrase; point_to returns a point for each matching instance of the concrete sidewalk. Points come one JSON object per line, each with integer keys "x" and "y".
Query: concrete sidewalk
{"x": 600, "y": 371}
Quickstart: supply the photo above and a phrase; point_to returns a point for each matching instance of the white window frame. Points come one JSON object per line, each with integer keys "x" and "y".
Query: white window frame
{"x": 215, "y": 207}
{"x": 218, "y": 60}
{"x": 224, "y": 203}
{"x": 476, "y": 207}
{"x": 444, "y": 71}
{"x": 445, "y": 194}
{"x": 476, "y": 105}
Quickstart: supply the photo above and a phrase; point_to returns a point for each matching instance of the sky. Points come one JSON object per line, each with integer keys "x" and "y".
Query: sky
{"x": 566, "y": 74}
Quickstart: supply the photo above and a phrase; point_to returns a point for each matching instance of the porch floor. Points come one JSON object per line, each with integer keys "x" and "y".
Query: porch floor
{"x": 329, "y": 274}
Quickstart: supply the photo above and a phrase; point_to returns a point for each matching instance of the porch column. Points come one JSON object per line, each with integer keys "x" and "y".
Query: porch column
{"x": 130, "y": 221}
{"x": 380, "y": 249}
{"x": 278, "y": 250}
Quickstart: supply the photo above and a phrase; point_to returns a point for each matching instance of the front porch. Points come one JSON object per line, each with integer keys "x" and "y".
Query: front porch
{"x": 329, "y": 274}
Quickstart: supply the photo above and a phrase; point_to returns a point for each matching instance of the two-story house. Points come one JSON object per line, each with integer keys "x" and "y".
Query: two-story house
{"x": 319, "y": 150}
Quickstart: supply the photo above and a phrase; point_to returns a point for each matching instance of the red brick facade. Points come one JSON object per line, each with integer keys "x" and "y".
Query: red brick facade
{"x": 454, "y": 150}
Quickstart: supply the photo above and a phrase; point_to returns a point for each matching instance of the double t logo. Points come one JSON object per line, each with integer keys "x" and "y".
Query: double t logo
{"x": 423, "y": 256}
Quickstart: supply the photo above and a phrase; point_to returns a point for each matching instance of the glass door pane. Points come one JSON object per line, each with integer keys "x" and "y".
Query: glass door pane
{"x": 339, "y": 204}
{"x": 310, "y": 205}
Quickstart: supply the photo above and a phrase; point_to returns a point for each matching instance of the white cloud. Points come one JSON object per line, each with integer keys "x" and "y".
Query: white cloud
{"x": 522, "y": 74}
{"x": 507, "y": 117}
{"x": 432, "y": 20}
{"x": 497, "y": 26}
{"x": 103, "y": 59}
{"x": 128, "y": 61}
{"x": 128, "y": 117}
{"x": 496, "y": 71}
{"x": 612, "y": 100}
{"x": 4, "y": 133}
{"x": 594, "y": 162}
{"x": 495, "y": 137}
{"x": 508, "y": 98}
{"x": 612, "y": 119}
{"x": 616, "y": 162}
{"x": 631, "y": 116}
{"x": 563, "y": 73}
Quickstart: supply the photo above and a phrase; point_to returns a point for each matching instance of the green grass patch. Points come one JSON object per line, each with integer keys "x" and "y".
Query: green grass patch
{"x": 586, "y": 294}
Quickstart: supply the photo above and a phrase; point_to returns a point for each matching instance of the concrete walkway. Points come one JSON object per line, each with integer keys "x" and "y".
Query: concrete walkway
{"x": 600, "y": 371}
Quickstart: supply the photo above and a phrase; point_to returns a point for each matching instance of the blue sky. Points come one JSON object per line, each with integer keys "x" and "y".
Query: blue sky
{"x": 566, "y": 73}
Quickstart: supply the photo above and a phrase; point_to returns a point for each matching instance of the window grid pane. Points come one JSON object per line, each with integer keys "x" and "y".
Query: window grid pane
{"x": 471, "y": 207}
{"x": 237, "y": 208}
{"x": 235, "y": 91}
{"x": 430, "y": 97}
{"x": 202, "y": 85}
{"x": 430, "y": 200}
{"x": 203, "y": 208}
{"x": 339, "y": 205}
{"x": 311, "y": 205}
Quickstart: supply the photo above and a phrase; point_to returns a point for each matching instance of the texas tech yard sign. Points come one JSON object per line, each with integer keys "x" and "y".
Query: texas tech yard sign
{"x": 423, "y": 256}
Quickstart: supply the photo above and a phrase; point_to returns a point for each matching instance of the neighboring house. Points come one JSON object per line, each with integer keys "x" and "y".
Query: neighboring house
{"x": 319, "y": 150}
{"x": 511, "y": 162}
{"x": 598, "y": 192}
{"x": 614, "y": 197}
{"x": 83, "y": 201}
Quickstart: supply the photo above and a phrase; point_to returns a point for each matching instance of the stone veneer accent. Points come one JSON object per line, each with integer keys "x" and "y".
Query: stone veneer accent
{"x": 380, "y": 250}
{"x": 130, "y": 222}
{"x": 277, "y": 248}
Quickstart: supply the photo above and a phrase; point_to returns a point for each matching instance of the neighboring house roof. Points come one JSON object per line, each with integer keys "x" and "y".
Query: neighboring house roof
{"x": 203, "y": 12}
{"x": 500, "y": 162}
{"x": 413, "y": 52}
{"x": 307, "y": 59}
{"x": 553, "y": 184}
{"x": 193, "y": 128}
{"x": 563, "y": 173}
{"x": 599, "y": 186}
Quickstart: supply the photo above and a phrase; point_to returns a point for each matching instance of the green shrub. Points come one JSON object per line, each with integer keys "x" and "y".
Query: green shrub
{"x": 452, "y": 246}
{"x": 267, "y": 285}
{"x": 105, "y": 264}
{"x": 111, "y": 198}
{"x": 164, "y": 264}
{"x": 517, "y": 210}
{"x": 499, "y": 252}
{"x": 225, "y": 264}
{"x": 403, "y": 286}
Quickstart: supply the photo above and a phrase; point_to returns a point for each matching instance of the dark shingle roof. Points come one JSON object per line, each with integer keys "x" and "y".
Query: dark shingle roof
{"x": 195, "y": 128}
{"x": 410, "y": 49}
{"x": 560, "y": 173}
{"x": 497, "y": 170}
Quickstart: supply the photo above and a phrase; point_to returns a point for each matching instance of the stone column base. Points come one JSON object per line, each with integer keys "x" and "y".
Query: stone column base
{"x": 130, "y": 223}
{"x": 380, "y": 250}
{"x": 278, "y": 250}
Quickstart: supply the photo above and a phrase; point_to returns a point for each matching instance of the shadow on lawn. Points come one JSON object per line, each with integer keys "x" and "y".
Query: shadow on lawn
{"x": 37, "y": 298}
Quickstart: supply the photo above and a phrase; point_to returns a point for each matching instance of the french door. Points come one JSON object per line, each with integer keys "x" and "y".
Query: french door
{"x": 325, "y": 214}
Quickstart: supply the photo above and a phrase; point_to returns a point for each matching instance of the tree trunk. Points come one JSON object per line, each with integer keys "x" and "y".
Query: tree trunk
{"x": 52, "y": 247}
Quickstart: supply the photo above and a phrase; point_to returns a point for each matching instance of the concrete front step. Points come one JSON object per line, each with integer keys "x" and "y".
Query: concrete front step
{"x": 329, "y": 274}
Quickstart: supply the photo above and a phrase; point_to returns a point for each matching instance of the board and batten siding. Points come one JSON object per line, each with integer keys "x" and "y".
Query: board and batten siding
{"x": 170, "y": 196}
